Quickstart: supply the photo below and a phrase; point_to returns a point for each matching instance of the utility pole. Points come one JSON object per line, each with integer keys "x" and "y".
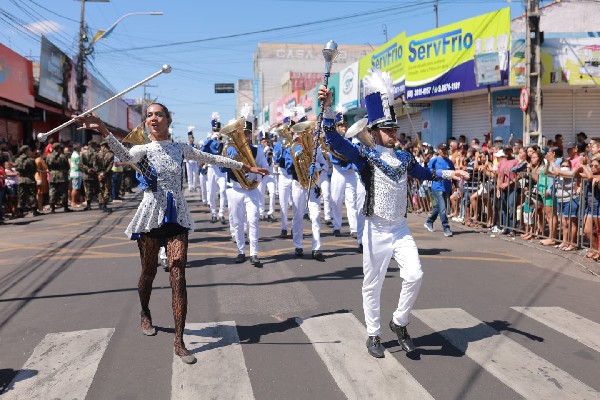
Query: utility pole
{"x": 146, "y": 99}
{"x": 80, "y": 65}
{"x": 533, "y": 76}
{"x": 384, "y": 26}
{"x": 435, "y": 8}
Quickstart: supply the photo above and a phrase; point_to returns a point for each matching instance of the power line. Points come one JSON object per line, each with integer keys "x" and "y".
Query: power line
{"x": 356, "y": 15}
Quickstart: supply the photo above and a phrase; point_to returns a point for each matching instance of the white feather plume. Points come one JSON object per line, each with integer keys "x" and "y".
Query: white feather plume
{"x": 340, "y": 109}
{"x": 191, "y": 128}
{"x": 378, "y": 81}
{"x": 215, "y": 116}
{"x": 246, "y": 112}
{"x": 288, "y": 112}
{"x": 299, "y": 111}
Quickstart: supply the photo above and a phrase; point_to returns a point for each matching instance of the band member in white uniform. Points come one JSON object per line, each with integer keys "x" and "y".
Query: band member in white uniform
{"x": 299, "y": 193}
{"x": 191, "y": 166}
{"x": 343, "y": 186}
{"x": 384, "y": 173}
{"x": 284, "y": 186}
{"x": 243, "y": 201}
{"x": 267, "y": 184}
{"x": 215, "y": 179}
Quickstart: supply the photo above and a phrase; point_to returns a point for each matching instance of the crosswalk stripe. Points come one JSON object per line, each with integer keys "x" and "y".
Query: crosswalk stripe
{"x": 220, "y": 372}
{"x": 62, "y": 366}
{"x": 570, "y": 324}
{"x": 340, "y": 342}
{"x": 517, "y": 367}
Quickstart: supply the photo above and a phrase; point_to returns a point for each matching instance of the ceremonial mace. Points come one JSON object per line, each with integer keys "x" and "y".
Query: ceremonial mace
{"x": 330, "y": 53}
{"x": 164, "y": 70}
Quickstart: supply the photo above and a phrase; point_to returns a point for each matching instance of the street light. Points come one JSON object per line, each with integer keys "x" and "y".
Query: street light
{"x": 104, "y": 33}
{"x": 84, "y": 51}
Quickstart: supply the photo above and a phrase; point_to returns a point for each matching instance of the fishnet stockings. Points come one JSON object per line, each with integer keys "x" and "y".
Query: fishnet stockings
{"x": 176, "y": 247}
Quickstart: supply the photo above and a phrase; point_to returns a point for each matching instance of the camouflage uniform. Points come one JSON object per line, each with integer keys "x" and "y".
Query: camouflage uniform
{"x": 128, "y": 179}
{"x": 89, "y": 166}
{"x": 58, "y": 165}
{"x": 106, "y": 160}
{"x": 26, "y": 168}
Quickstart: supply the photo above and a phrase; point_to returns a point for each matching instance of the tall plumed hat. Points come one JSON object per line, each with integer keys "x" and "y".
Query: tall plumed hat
{"x": 379, "y": 94}
{"x": 246, "y": 113}
{"x": 191, "y": 130}
{"x": 300, "y": 114}
{"x": 216, "y": 125}
{"x": 288, "y": 115}
{"x": 340, "y": 114}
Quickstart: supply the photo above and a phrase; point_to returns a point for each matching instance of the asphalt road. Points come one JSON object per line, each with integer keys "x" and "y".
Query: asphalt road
{"x": 495, "y": 318}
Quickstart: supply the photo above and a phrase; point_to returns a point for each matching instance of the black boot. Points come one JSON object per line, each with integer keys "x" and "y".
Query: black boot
{"x": 67, "y": 209}
{"x": 88, "y": 206}
{"x": 52, "y": 209}
{"x": 403, "y": 337}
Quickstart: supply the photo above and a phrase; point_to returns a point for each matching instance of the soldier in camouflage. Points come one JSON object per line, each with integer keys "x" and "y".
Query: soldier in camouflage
{"x": 58, "y": 165}
{"x": 106, "y": 159}
{"x": 26, "y": 167}
{"x": 89, "y": 166}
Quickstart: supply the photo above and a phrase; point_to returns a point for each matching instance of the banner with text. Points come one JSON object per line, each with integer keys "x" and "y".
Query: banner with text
{"x": 565, "y": 61}
{"x": 16, "y": 77}
{"x": 441, "y": 61}
{"x": 389, "y": 57}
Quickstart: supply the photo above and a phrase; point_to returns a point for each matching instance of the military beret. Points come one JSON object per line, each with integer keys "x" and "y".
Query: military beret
{"x": 104, "y": 143}
{"x": 23, "y": 149}
{"x": 56, "y": 145}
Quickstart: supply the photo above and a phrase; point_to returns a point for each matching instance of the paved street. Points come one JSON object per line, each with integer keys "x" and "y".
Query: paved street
{"x": 494, "y": 320}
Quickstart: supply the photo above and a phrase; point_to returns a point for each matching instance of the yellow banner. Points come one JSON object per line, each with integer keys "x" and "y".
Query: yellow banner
{"x": 388, "y": 57}
{"x": 431, "y": 54}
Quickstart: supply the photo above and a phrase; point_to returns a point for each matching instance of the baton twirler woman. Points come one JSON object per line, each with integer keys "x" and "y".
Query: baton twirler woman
{"x": 163, "y": 215}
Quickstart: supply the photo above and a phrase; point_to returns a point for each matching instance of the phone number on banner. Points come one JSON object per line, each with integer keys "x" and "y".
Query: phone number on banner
{"x": 436, "y": 89}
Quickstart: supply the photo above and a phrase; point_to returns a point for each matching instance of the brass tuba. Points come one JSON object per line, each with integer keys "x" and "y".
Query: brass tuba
{"x": 303, "y": 160}
{"x": 234, "y": 131}
{"x": 359, "y": 129}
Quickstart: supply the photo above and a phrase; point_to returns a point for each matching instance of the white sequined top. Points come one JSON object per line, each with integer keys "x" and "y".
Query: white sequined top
{"x": 167, "y": 159}
{"x": 390, "y": 195}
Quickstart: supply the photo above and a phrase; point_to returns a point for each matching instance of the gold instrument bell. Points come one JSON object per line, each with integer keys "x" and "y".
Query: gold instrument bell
{"x": 360, "y": 131}
{"x": 137, "y": 135}
{"x": 234, "y": 131}
{"x": 303, "y": 160}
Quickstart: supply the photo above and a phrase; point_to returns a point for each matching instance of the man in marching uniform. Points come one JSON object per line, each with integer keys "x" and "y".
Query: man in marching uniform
{"x": 384, "y": 172}
{"x": 191, "y": 166}
{"x": 343, "y": 184}
{"x": 284, "y": 185}
{"x": 268, "y": 182}
{"x": 215, "y": 179}
{"x": 300, "y": 189}
{"x": 243, "y": 199}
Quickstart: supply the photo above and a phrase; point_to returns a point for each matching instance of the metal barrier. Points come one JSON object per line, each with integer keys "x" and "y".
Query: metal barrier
{"x": 560, "y": 211}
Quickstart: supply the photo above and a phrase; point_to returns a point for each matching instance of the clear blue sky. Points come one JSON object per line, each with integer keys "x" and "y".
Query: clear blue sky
{"x": 135, "y": 49}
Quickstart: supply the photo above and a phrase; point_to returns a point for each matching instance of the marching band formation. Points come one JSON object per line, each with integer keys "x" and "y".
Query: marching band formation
{"x": 358, "y": 167}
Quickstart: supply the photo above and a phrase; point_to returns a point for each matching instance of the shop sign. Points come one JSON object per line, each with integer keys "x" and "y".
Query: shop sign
{"x": 389, "y": 57}
{"x": 16, "y": 77}
{"x": 441, "y": 61}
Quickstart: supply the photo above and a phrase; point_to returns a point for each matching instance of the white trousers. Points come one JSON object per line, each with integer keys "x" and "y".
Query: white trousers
{"x": 243, "y": 204}
{"x": 383, "y": 240}
{"x": 298, "y": 209}
{"x": 192, "y": 170}
{"x": 267, "y": 184}
{"x": 325, "y": 185}
{"x": 343, "y": 190}
{"x": 216, "y": 183}
{"x": 203, "y": 188}
{"x": 285, "y": 197}
{"x": 360, "y": 202}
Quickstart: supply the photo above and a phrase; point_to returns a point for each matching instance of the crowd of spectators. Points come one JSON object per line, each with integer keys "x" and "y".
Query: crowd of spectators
{"x": 48, "y": 177}
{"x": 546, "y": 193}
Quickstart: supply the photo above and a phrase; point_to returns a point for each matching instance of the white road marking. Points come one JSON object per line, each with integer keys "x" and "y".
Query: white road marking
{"x": 340, "y": 342}
{"x": 514, "y": 365}
{"x": 62, "y": 366}
{"x": 572, "y": 325}
{"x": 220, "y": 372}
